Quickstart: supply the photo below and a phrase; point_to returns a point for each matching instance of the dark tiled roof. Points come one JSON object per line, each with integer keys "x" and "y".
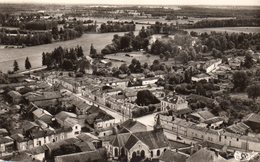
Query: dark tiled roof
{"x": 239, "y": 128}
{"x": 98, "y": 156}
{"x": 57, "y": 145}
{"x": 205, "y": 155}
{"x": 213, "y": 120}
{"x": 253, "y": 118}
{"x": 153, "y": 139}
{"x": 5, "y": 140}
{"x": 23, "y": 157}
{"x": 85, "y": 137}
{"x": 63, "y": 115}
{"x": 36, "y": 150}
{"x": 120, "y": 139}
{"x": 18, "y": 137}
{"x": 14, "y": 94}
{"x": 170, "y": 156}
{"x": 131, "y": 142}
{"x": 44, "y": 96}
{"x": 133, "y": 126}
{"x": 85, "y": 146}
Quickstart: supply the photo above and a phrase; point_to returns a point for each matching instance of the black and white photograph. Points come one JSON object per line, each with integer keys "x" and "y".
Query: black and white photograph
{"x": 129, "y": 80}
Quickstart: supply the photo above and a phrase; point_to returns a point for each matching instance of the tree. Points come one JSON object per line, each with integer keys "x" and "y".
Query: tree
{"x": 27, "y": 64}
{"x": 167, "y": 55}
{"x": 184, "y": 57}
{"x": 124, "y": 69}
{"x": 44, "y": 59}
{"x": 16, "y": 66}
{"x": 93, "y": 51}
{"x": 80, "y": 51}
{"x": 248, "y": 61}
{"x": 200, "y": 90}
{"x": 161, "y": 56}
{"x": 67, "y": 64}
{"x": 125, "y": 42}
{"x": 84, "y": 64}
{"x": 253, "y": 91}
{"x": 240, "y": 80}
{"x": 145, "y": 97}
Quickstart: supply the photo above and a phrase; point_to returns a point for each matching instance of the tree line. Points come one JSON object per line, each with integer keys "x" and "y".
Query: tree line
{"x": 117, "y": 27}
{"x": 21, "y": 37}
{"x": 223, "y": 23}
{"x": 164, "y": 28}
{"x": 39, "y": 25}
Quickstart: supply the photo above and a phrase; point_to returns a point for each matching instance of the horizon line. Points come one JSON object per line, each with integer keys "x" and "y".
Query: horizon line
{"x": 119, "y": 4}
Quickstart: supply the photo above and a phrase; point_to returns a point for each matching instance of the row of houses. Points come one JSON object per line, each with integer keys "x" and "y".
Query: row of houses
{"x": 190, "y": 131}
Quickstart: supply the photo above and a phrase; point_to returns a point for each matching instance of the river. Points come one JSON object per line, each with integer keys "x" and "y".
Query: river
{"x": 7, "y": 56}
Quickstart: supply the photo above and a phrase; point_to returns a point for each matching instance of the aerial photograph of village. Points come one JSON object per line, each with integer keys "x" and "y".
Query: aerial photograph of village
{"x": 130, "y": 81}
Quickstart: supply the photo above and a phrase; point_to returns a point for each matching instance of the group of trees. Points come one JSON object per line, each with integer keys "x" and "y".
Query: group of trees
{"x": 27, "y": 65}
{"x": 226, "y": 41}
{"x": 80, "y": 26}
{"x": 128, "y": 42}
{"x": 243, "y": 82}
{"x": 145, "y": 98}
{"x": 67, "y": 59}
{"x": 179, "y": 48}
{"x": 117, "y": 27}
{"x": 29, "y": 39}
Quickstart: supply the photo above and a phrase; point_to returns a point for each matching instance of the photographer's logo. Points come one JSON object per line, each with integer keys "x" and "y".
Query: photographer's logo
{"x": 244, "y": 156}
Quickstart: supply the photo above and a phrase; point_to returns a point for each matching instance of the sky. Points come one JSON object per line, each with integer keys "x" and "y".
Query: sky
{"x": 145, "y": 2}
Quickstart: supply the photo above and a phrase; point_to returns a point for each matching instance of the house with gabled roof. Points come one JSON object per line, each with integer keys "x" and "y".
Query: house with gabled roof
{"x": 171, "y": 156}
{"x": 131, "y": 126}
{"x": 116, "y": 146}
{"x": 148, "y": 144}
{"x": 95, "y": 156}
{"x": 200, "y": 116}
{"x": 253, "y": 121}
{"x": 6, "y": 145}
{"x": 15, "y": 97}
{"x": 41, "y": 114}
{"x": 173, "y": 103}
{"x": 205, "y": 155}
{"x": 69, "y": 120}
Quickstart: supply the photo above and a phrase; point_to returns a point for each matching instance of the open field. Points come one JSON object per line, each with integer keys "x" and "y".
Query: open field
{"x": 122, "y": 58}
{"x": 227, "y": 29}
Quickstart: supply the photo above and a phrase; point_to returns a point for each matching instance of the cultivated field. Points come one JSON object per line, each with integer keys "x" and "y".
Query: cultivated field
{"x": 227, "y": 29}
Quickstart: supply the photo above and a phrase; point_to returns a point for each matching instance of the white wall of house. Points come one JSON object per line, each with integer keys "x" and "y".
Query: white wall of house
{"x": 147, "y": 82}
{"x": 105, "y": 124}
{"x": 175, "y": 106}
{"x": 137, "y": 148}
